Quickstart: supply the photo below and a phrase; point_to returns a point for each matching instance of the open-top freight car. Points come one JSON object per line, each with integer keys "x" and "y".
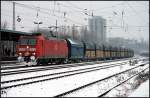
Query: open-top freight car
{"x": 100, "y": 54}
{"x": 90, "y": 51}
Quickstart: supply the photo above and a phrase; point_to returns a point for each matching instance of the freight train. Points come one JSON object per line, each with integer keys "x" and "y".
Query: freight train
{"x": 37, "y": 49}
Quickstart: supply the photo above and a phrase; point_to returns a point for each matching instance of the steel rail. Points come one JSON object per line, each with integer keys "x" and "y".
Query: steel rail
{"x": 73, "y": 90}
{"x": 17, "y": 67}
{"x": 45, "y": 68}
{"x": 70, "y": 74}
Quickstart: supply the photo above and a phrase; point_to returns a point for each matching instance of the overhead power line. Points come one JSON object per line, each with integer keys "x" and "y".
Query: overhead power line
{"x": 75, "y": 6}
{"x": 137, "y": 14}
{"x": 102, "y": 9}
{"x": 36, "y": 8}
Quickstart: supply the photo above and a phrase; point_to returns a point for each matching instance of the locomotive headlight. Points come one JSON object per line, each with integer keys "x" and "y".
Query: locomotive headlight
{"x": 27, "y": 47}
{"x": 20, "y": 53}
{"x": 33, "y": 53}
{"x": 20, "y": 59}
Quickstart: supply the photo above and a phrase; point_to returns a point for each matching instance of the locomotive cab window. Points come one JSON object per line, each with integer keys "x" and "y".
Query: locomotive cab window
{"x": 27, "y": 41}
{"x": 31, "y": 42}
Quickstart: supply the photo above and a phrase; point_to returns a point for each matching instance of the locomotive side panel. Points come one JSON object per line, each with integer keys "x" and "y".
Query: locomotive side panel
{"x": 55, "y": 49}
{"x": 39, "y": 48}
{"x": 62, "y": 49}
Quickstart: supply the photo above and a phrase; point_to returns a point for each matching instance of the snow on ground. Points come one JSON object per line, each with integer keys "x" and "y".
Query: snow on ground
{"x": 61, "y": 85}
{"x": 23, "y": 75}
{"x": 98, "y": 88}
{"x": 23, "y": 64}
{"x": 30, "y": 67}
{"x": 128, "y": 87}
{"x": 142, "y": 91}
{"x": 41, "y": 78}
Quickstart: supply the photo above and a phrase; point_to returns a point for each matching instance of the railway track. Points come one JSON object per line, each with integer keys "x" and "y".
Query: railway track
{"x": 121, "y": 83}
{"x": 13, "y": 66}
{"x": 44, "y": 68}
{"x": 8, "y": 62}
{"x": 35, "y": 79}
{"x": 66, "y": 94}
{"x": 24, "y": 66}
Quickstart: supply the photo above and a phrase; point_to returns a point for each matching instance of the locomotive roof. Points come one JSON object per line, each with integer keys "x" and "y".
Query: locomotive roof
{"x": 12, "y": 31}
{"x": 18, "y": 32}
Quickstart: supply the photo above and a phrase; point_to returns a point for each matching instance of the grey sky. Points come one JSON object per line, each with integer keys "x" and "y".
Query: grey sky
{"x": 135, "y": 15}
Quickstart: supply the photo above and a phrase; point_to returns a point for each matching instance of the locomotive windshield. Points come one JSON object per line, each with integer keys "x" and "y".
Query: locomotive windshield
{"x": 27, "y": 41}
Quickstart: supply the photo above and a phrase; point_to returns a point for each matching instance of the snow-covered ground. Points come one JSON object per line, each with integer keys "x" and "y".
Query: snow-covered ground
{"x": 52, "y": 76}
{"x": 127, "y": 88}
{"x": 30, "y": 67}
{"x": 24, "y": 75}
{"x": 142, "y": 91}
{"x": 53, "y": 87}
{"x": 99, "y": 88}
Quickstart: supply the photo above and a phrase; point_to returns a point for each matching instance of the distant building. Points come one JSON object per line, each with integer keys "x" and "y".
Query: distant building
{"x": 97, "y": 28}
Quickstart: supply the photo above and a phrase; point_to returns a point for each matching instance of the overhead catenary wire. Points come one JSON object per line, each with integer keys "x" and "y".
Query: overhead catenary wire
{"x": 41, "y": 11}
{"x": 48, "y": 17}
{"x": 61, "y": 4}
{"x": 137, "y": 14}
{"x": 35, "y": 8}
{"x": 126, "y": 25}
{"x": 142, "y": 4}
{"x": 48, "y": 12}
{"x": 104, "y": 8}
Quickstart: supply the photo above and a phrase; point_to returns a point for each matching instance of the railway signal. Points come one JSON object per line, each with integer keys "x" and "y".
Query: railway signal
{"x": 18, "y": 19}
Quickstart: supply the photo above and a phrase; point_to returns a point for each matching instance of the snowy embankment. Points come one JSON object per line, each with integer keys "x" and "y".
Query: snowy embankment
{"x": 142, "y": 91}
{"x": 54, "y": 87}
{"x": 127, "y": 88}
{"x": 99, "y": 88}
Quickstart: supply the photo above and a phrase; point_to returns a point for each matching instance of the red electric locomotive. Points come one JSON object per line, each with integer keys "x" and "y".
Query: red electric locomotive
{"x": 36, "y": 49}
